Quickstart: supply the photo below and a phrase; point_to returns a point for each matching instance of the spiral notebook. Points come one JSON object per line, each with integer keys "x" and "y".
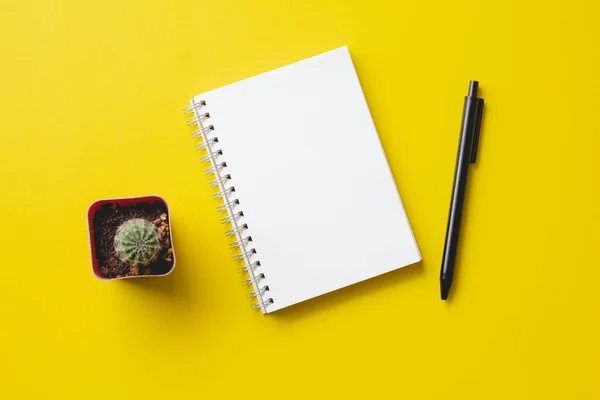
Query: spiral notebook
{"x": 303, "y": 180}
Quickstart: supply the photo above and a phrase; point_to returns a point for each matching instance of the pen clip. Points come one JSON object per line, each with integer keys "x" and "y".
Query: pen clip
{"x": 476, "y": 131}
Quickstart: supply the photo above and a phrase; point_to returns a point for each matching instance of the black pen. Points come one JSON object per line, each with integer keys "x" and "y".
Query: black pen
{"x": 467, "y": 154}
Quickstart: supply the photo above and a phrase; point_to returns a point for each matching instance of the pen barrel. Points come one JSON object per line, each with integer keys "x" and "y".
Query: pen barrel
{"x": 459, "y": 186}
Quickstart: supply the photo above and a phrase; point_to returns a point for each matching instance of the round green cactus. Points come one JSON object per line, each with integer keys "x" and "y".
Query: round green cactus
{"x": 137, "y": 242}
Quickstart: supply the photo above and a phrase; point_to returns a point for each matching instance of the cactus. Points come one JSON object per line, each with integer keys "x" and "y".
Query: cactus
{"x": 137, "y": 242}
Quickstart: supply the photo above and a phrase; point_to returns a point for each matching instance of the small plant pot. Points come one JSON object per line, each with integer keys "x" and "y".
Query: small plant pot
{"x": 106, "y": 217}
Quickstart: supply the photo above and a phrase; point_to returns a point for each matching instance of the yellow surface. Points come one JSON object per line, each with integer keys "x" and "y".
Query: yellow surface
{"x": 90, "y": 107}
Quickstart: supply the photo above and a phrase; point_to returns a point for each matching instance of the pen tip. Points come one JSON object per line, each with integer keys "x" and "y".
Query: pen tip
{"x": 445, "y": 288}
{"x": 473, "y": 86}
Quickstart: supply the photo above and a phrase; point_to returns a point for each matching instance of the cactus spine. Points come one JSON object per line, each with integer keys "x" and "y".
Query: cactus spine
{"x": 137, "y": 242}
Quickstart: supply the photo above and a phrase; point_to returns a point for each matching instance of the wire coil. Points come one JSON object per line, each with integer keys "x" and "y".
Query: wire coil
{"x": 229, "y": 218}
{"x": 249, "y": 267}
{"x": 199, "y": 133}
{"x": 228, "y": 205}
{"x": 244, "y": 255}
{"x": 215, "y": 168}
{"x": 223, "y": 181}
{"x": 211, "y": 155}
{"x": 255, "y": 280}
{"x": 206, "y": 143}
{"x": 236, "y": 230}
{"x": 240, "y": 243}
{"x": 219, "y": 181}
{"x": 224, "y": 193}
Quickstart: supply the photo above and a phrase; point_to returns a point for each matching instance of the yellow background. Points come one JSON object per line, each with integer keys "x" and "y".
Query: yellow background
{"x": 90, "y": 107}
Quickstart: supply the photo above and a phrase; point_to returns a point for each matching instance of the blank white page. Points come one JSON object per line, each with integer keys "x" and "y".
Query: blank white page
{"x": 311, "y": 176}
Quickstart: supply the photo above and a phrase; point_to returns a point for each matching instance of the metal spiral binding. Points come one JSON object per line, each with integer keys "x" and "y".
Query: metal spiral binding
{"x": 244, "y": 255}
{"x": 224, "y": 193}
{"x": 199, "y": 118}
{"x": 266, "y": 303}
{"x": 229, "y": 205}
{"x": 255, "y": 280}
{"x": 249, "y": 267}
{"x": 192, "y": 108}
{"x": 198, "y": 134}
{"x": 215, "y": 168}
{"x": 252, "y": 267}
{"x": 240, "y": 243}
{"x": 209, "y": 156}
{"x": 229, "y": 218}
{"x": 205, "y": 144}
{"x": 258, "y": 292}
{"x": 219, "y": 181}
{"x": 236, "y": 230}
